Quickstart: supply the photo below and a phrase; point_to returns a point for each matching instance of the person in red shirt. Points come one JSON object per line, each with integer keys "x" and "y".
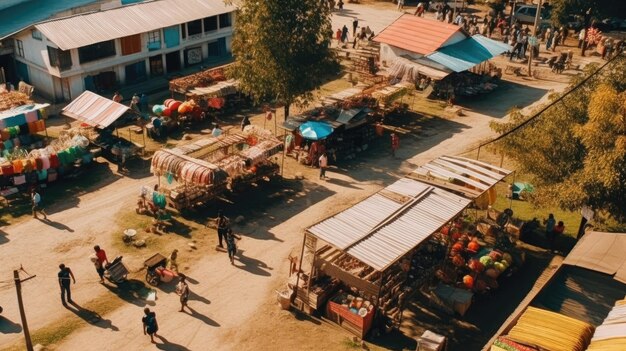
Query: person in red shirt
{"x": 101, "y": 260}
{"x": 395, "y": 144}
{"x": 557, "y": 231}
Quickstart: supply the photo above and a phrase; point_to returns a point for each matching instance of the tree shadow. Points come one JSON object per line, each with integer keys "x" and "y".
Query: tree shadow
{"x": 7, "y": 326}
{"x": 57, "y": 225}
{"x": 169, "y": 346}
{"x": 508, "y": 95}
{"x": 206, "y": 320}
{"x": 252, "y": 265}
{"x": 132, "y": 290}
{"x": 91, "y": 317}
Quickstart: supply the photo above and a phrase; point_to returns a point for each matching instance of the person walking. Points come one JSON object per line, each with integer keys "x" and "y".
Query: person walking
{"x": 150, "y": 325}
{"x": 222, "y": 226}
{"x": 400, "y": 5}
{"x": 338, "y": 37}
{"x": 35, "y": 199}
{"x": 182, "y": 289}
{"x": 355, "y": 25}
{"x": 340, "y": 5}
{"x": 231, "y": 244}
{"x": 65, "y": 273}
{"x": 395, "y": 144}
{"x": 245, "y": 122}
{"x": 581, "y": 38}
{"x": 549, "y": 37}
{"x": 323, "y": 162}
{"x": 556, "y": 41}
{"x": 172, "y": 261}
{"x": 344, "y": 34}
{"x": 101, "y": 261}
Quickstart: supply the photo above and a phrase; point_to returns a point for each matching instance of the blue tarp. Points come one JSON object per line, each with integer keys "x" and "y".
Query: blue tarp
{"x": 468, "y": 53}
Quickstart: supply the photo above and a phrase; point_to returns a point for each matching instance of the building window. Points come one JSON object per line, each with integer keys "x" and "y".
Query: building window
{"x": 36, "y": 34}
{"x": 19, "y": 45}
{"x": 171, "y": 36}
{"x": 59, "y": 58}
{"x": 154, "y": 40}
{"x": 183, "y": 31}
{"x": 210, "y": 24}
{"x": 194, "y": 28}
{"x": 225, "y": 20}
{"x": 96, "y": 51}
{"x": 131, "y": 44}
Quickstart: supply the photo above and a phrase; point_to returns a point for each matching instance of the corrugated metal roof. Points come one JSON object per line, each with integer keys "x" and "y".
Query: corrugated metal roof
{"x": 581, "y": 294}
{"x": 475, "y": 174}
{"x": 389, "y": 243}
{"x": 81, "y": 30}
{"x": 94, "y": 110}
{"x": 417, "y": 34}
{"x": 468, "y": 53}
{"x": 601, "y": 252}
{"x": 379, "y": 230}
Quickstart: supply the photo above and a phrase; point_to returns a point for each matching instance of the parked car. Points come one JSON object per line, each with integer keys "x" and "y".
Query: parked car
{"x": 526, "y": 14}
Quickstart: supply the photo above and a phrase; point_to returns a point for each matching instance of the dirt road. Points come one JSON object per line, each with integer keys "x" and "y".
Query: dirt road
{"x": 224, "y": 297}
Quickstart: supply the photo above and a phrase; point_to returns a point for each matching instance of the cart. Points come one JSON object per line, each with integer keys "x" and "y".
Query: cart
{"x": 117, "y": 271}
{"x": 156, "y": 261}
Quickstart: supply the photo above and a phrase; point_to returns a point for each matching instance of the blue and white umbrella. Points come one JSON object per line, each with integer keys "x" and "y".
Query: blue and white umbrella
{"x": 315, "y": 130}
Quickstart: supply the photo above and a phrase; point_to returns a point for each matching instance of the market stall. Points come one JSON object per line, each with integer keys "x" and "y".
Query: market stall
{"x": 349, "y": 126}
{"x": 21, "y": 122}
{"x": 365, "y": 262}
{"x": 416, "y": 234}
{"x": 103, "y": 115}
{"x": 199, "y": 171}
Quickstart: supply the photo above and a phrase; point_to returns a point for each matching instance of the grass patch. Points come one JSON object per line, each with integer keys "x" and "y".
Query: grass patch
{"x": 524, "y": 210}
{"x": 421, "y": 104}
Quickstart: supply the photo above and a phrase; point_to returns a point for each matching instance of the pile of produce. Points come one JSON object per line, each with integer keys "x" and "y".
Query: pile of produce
{"x": 173, "y": 108}
{"x": 13, "y": 99}
{"x": 198, "y": 80}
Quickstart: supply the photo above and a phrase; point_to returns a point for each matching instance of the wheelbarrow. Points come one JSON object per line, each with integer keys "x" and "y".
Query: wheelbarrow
{"x": 117, "y": 272}
{"x": 156, "y": 271}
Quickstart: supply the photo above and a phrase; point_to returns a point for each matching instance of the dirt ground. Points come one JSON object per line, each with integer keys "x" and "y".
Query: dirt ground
{"x": 234, "y": 307}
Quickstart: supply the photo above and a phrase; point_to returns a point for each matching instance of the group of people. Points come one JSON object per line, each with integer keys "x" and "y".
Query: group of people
{"x": 342, "y": 34}
{"x": 101, "y": 262}
{"x": 225, "y": 233}
{"x": 553, "y": 230}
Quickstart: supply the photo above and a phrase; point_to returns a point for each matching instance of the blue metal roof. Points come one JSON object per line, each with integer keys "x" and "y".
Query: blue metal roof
{"x": 468, "y": 53}
{"x": 25, "y": 14}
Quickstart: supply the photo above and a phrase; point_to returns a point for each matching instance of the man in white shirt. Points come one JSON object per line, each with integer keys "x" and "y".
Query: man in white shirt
{"x": 323, "y": 162}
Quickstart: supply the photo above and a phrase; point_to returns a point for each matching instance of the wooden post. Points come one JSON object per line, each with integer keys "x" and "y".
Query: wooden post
{"x": 18, "y": 289}
{"x": 295, "y": 288}
{"x": 282, "y": 162}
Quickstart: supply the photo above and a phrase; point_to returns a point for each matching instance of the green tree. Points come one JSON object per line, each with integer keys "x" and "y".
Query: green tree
{"x": 600, "y": 9}
{"x": 282, "y": 49}
{"x": 576, "y": 150}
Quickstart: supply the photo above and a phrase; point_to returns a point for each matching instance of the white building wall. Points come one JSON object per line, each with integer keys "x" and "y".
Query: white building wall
{"x": 41, "y": 73}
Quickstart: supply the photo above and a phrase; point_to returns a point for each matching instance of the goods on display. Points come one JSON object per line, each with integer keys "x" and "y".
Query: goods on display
{"x": 197, "y": 171}
{"x": 551, "y": 331}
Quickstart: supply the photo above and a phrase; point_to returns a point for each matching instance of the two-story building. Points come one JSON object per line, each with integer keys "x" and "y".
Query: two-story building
{"x": 104, "y": 49}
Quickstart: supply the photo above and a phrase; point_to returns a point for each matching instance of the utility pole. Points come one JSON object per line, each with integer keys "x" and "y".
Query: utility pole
{"x": 587, "y": 26}
{"x": 18, "y": 289}
{"x": 534, "y": 39}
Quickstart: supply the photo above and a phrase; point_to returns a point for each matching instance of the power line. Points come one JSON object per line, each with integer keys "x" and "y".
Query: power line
{"x": 537, "y": 114}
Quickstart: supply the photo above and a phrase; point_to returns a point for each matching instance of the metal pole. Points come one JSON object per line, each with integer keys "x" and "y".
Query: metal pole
{"x": 532, "y": 49}
{"x": 587, "y": 27}
{"x": 512, "y": 11}
{"x": 18, "y": 289}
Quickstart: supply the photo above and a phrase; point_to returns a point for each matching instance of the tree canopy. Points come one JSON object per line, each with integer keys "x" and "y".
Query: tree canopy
{"x": 600, "y": 9}
{"x": 282, "y": 49}
{"x": 576, "y": 150}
